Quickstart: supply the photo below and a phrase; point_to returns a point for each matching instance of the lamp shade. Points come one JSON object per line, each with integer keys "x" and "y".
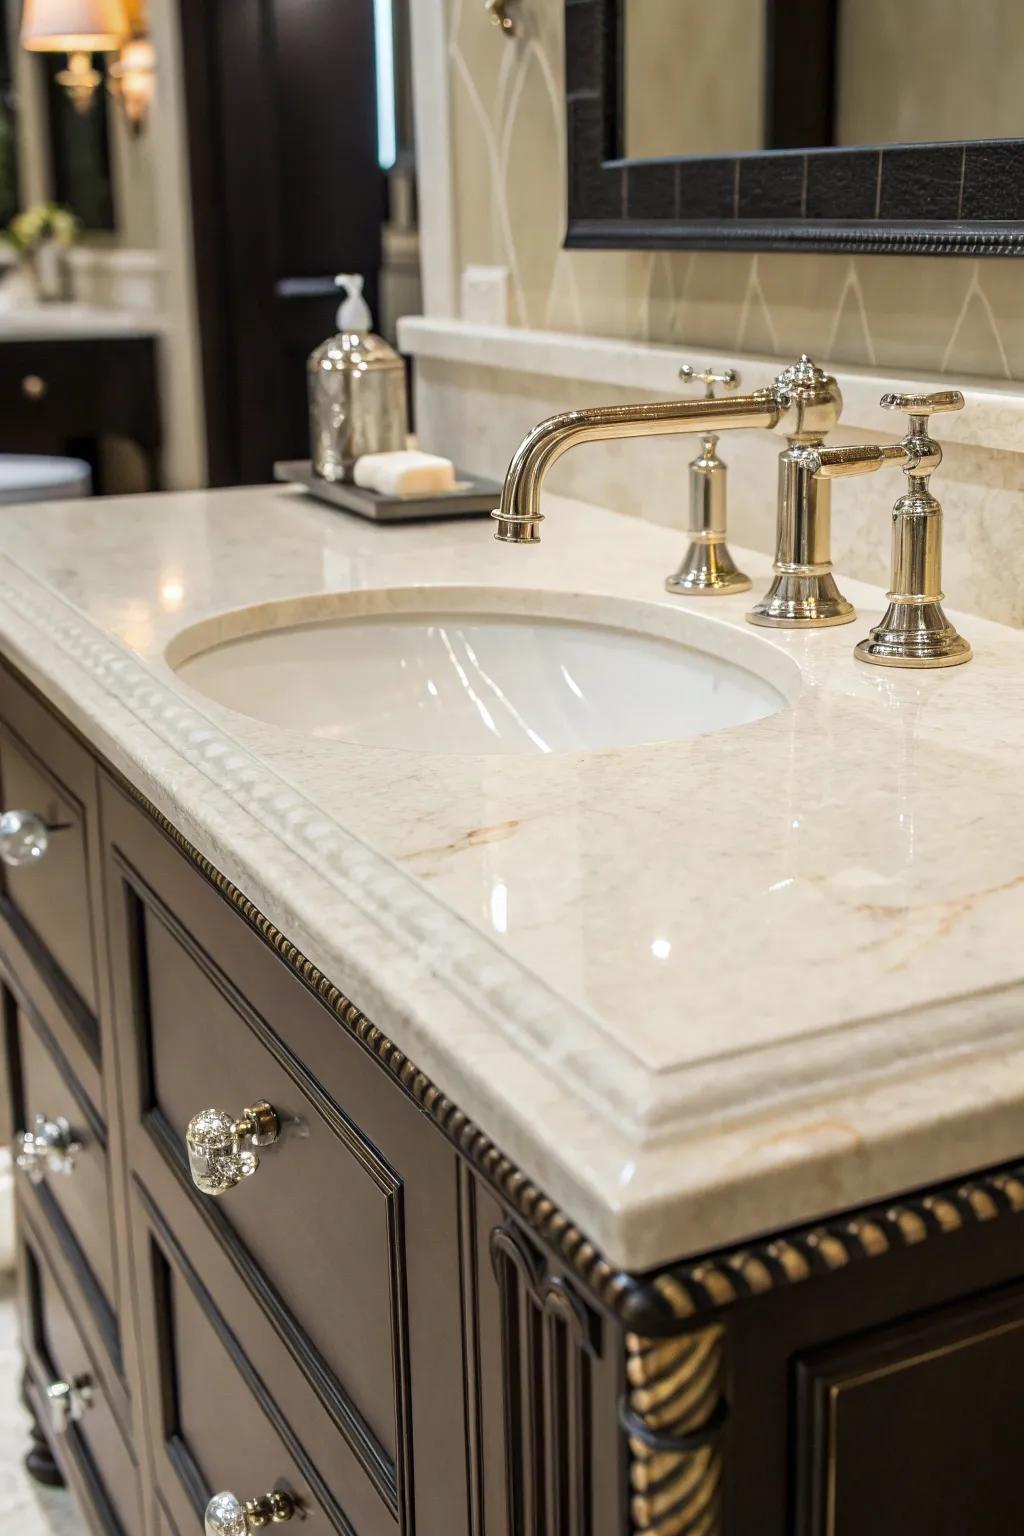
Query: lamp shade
{"x": 71, "y": 26}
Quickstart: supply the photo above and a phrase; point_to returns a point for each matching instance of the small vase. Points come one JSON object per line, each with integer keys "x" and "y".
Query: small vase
{"x": 48, "y": 269}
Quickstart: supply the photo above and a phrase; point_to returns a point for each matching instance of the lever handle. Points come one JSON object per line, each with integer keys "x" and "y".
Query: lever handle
{"x": 220, "y": 1149}
{"x": 857, "y": 459}
{"x": 923, "y": 454}
{"x": 727, "y": 377}
{"x": 924, "y": 405}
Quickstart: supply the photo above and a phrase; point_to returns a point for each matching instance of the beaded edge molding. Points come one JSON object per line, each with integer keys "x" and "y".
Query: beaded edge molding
{"x": 650, "y": 1306}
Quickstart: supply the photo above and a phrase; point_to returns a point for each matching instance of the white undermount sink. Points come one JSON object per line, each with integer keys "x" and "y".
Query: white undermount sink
{"x": 461, "y": 671}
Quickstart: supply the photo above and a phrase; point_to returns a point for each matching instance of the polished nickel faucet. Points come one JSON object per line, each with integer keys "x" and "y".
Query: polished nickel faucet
{"x": 804, "y": 403}
{"x": 519, "y": 517}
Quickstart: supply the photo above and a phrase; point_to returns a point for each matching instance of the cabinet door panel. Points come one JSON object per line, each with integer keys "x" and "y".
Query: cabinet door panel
{"x": 917, "y": 1427}
{"x": 91, "y": 1451}
{"x": 51, "y": 895}
{"x": 318, "y": 1216}
{"x": 82, "y": 1196}
{"x": 50, "y": 922}
{"x": 219, "y": 1425}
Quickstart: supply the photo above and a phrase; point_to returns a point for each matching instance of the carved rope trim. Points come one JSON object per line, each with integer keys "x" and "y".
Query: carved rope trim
{"x": 689, "y": 1290}
{"x": 676, "y": 1388}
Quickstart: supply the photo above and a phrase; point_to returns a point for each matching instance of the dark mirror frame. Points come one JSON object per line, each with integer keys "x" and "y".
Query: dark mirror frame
{"x": 950, "y": 199}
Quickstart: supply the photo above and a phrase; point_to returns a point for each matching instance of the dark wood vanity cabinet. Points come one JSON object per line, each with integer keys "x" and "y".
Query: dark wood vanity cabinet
{"x": 387, "y": 1321}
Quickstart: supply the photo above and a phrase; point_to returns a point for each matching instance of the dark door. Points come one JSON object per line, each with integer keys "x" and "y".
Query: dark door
{"x": 281, "y": 102}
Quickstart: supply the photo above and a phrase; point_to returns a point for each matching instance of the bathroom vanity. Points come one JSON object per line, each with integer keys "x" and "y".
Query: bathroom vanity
{"x": 619, "y": 1114}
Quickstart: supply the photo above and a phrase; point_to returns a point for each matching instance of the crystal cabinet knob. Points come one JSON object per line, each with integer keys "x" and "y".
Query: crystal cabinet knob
{"x": 49, "y": 1147}
{"x": 228, "y": 1516}
{"x": 24, "y": 837}
{"x": 67, "y": 1402}
{"x": 221, "y": 1150}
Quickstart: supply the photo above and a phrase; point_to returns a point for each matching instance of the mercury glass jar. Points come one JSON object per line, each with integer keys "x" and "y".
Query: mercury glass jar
{"x": 357, "y": 402}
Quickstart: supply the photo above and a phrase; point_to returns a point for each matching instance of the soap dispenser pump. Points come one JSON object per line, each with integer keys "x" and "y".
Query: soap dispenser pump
{"x": 357, "y": 394}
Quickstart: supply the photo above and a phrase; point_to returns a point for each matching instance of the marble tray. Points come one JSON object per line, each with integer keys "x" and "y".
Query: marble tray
{"x": 471, "y": 497}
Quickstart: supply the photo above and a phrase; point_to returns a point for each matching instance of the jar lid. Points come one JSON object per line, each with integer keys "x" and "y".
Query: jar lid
{"x": 351, "y": 353}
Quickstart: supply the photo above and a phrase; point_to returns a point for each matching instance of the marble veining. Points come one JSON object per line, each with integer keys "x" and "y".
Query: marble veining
{"x": 697, "y": 988}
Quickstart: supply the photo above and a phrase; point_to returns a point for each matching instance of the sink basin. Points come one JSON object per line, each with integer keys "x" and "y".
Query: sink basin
{"x": 445, "y": 677}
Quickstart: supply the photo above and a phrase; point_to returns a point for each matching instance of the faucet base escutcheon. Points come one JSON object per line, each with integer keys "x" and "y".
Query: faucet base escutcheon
{"x": 707, "y": 569}
{"x": 802, "y": 599}
{"x": 914, "y": 635}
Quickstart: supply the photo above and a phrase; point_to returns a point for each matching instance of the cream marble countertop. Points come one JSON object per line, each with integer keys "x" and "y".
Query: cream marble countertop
{"x": 732, "y": 982}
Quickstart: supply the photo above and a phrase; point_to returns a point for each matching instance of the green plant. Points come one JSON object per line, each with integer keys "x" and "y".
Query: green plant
{"x": 33, "y": 227}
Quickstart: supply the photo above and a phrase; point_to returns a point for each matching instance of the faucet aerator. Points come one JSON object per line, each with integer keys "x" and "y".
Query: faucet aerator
{"x": 516, "y": 530}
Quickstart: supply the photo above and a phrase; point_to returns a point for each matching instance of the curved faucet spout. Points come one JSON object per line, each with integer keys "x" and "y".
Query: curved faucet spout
{"x": 519, "y": 517}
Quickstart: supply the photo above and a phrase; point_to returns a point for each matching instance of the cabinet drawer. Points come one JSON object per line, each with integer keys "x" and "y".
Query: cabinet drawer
{"x": 318, "y": 1216}
{"x": 50, "y": 925}
{"x": 221, "y": 1428}
{"x": 91, "y": 1450}
{"x": 79, "y": 1201}
{"x": 52, "y": 391}
{"x": 51, "y": 895}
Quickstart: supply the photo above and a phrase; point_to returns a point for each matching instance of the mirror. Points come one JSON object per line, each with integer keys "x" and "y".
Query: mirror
{"x": 697, "y": 77}
{"x": 836, "y": 125}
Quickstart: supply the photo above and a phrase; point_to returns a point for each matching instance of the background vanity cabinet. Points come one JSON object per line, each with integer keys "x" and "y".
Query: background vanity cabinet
{"x": 386, "y": 1320}
{"x": 66, "y": 395}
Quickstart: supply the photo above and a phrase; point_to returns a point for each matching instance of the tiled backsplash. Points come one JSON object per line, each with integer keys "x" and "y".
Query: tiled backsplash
{"x": 909, "y": 313}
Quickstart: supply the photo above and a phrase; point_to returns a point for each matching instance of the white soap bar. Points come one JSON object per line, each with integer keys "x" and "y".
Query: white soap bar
{"x": 408, "y": 473}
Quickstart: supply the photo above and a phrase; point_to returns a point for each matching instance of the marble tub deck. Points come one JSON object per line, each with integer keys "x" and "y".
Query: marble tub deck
{"x": 698, "y": 989}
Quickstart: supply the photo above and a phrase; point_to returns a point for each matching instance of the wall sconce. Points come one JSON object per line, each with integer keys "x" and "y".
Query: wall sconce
{"x": 133, "y": 80}
{"x": 81, "y": 28}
